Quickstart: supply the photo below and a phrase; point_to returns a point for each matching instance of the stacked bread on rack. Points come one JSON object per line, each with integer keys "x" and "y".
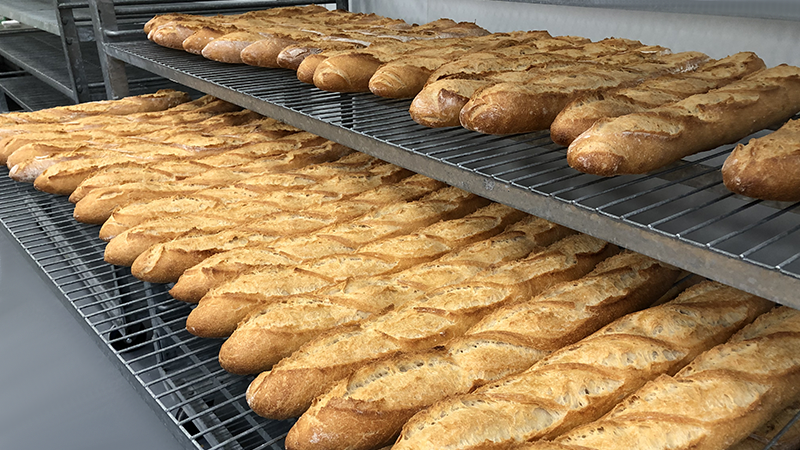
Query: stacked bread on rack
{"x": 373, "y": 303}
{"x": 621, "y": 106}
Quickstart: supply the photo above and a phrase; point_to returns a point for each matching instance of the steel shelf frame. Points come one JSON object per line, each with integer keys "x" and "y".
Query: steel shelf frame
{"x": 682, "y": 215}
{"x": 138, "y": 325}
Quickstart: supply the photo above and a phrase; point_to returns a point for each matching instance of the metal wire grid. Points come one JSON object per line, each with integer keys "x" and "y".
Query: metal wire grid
{"x": 141, "y": 326}
{"x": 682, "y": 214}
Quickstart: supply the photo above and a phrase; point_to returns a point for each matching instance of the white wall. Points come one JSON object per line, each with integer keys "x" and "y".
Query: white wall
{"x": 775, "y": 41}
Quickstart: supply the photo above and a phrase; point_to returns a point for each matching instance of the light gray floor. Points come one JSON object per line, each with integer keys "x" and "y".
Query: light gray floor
{"x": 58, "y": 390}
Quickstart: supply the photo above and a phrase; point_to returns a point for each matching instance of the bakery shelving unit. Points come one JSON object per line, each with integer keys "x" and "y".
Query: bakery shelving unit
{"x": 57, "y": 56}
{"x": 682, "y": 215}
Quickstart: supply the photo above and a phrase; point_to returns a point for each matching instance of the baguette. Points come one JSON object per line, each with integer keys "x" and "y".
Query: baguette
{"x": 437, "y": 318}
{"x": 532, "y": 105}
{"x": 280, "y": 155}
{"x": 364, "y": 297}
{"x": 218, "y": 269}
{"x": 333, "y": 181}
{"x": 405, "y": 77}
{"x": 166, "y": 262}
{"x": 583, "y": 112}
{"x": 215, "y": 191}
{"x": 159, "y": 101}
{"x": 714, "y": 402}
{"x": 767, "y": 167}
{"x": 451, "y": 86}
{"x": 382, "y": 258}
{"x": 247, "y": 290}
{"x": 368, "y": 409}
{"x": 641, "y": 142}
{"x": 583, "y": 381}
{"x": 351, "y": 71}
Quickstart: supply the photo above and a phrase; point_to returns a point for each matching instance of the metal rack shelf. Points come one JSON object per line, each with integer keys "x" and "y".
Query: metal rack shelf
{"x": 140, "y": 326}
{"x": 682, "y": 215}
{"x": 30, "y": 93}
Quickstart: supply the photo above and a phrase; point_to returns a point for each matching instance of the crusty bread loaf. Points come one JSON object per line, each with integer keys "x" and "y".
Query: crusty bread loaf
{"x": 280, "y": 155}
{"x": 330, "y": 181}
{"x": 298, "y": 319}
{"x": 714, "y": 402}
{"x": 247, "y": 290}
{"x": 583, "y": 112}
{"x": 532, "y": 104}
{"x": 767, "y": 167}
{"x": 433, "y": 320}
{"x": 243, "y": 354}
{"x": 645, "y": 141}
{"x": 406, "y": 76}
{"x": 583, "y": 381}
{"x": 450, "y": 87}
{"x": 362, "y": 297}
{"x": 198, "y": 280}
{"x": 368, "y": 409}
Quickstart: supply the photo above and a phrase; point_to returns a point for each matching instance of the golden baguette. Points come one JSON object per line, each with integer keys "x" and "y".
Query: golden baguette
{"x": 532, "y": 104}
{"x": 767, "y": 167}
{"x": 260, "y": 43}
{"x": 368, "y": 409}
{"x": 198, "y": 280}
{"x": 244, "y": 351}
{"x": 583, "y": 381}
{"x": 252, "y": 21}
{"x": 216, "y": 180}
{"x": 404, "y": 77}
{"x": 715, "y": 401}
{"x": 159, "y": 101}
{"x": 350, "y": 71}
{"x": 645, "y": 141}
{"x": 451, "y": 86}
{"x": 166, "y": 262}
{"x": 582, "y": 113}
{"x": 361, "y": 297}
{"x": 338, "y": 180}
{"x": 433, "y": 320}
{"x": 280, "y": 155}
{"x": 171, "y": 30}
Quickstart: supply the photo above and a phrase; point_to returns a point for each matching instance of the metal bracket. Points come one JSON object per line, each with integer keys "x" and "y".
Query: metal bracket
{"x": 104, "y": 19}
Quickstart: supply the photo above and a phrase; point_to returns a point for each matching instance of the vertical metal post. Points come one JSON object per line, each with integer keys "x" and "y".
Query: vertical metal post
{"x": 114, "y": 76}
{"x": 70, "y": 41}
{"x": 343, "y": 5}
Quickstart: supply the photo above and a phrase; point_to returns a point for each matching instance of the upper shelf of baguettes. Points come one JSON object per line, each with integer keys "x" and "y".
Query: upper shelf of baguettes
{"x": 681, "y": 214}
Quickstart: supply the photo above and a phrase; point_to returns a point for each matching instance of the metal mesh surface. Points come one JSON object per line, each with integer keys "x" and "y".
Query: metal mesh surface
{"x": 682, "y": 214}
{"x": 141, "y": 325}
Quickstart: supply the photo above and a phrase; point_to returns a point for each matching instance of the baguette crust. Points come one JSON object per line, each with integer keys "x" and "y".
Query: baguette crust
{"x": 242, "y": 352}
{"x": 641, "y": 142}
{"x": 582, "y": 113}
{"x": 264, "y": 284}
{"x": 267, "y": 195}
{"x": 717, "y": 400}
{"x": 198, "y": 280}
{"x": 368, "y": 409}
{"x": 533, "y": 104}
{"x": 440, "y": 316}
{"x": 768, "y": 167}
{"x": 583, "y": 381}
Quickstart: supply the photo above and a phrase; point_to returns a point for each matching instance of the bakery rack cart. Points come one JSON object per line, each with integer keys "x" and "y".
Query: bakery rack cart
{"x": 52, "y": 47}
{"x": 681, "y": 214}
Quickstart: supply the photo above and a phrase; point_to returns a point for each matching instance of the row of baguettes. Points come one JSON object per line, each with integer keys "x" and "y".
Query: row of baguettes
{"x": 415, "y": 292}
{"x": 645, "y": 108}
